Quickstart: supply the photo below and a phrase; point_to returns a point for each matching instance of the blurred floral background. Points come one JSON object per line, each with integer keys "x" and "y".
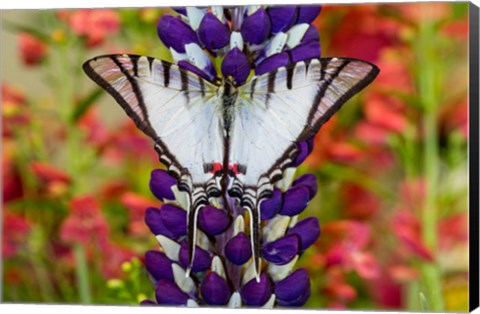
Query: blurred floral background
{"x": 391, "y": 166}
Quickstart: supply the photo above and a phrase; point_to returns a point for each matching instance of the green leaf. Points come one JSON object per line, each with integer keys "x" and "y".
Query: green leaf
{"x": 86, "y": 103}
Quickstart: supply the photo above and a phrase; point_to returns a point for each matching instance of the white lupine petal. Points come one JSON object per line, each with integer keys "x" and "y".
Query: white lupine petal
{"x": 217, "y": 267}
{"x": 249, "y": 273}
{"x": 235, "y": 301}
{"x": 236, "y": 40}
{"x": 217, "y": 10}
{"x": 279, "y": 272}
{"x": 276, "y": 44}
{"x": 195, "y": 16}
{"x": 192, "y": 303}
{"x": 270, "y": 303}
{"x": 252, "y": 9}
{"x": 288, "y": 176}
{"x": 186, "y": 284}
{"x": 293, "y": 221}
{"x": 181, "y": 198}
{"x": 170, "y": 247}
{"x": 296, "y": 33}
{"x": 275, "y": 228}
{"x": 177, "y": 56}
{"x": 197, "y": 56}
{"x": 238, "y": 225}
{"x": 202, "y": 240}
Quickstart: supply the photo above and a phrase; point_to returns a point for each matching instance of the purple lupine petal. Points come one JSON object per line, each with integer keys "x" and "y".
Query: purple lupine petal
{"x": 147, "y": 302}
{"x": 305, "y": 51}
{"x": 308, "y": 13}
{"x": 161, "y": 184}
{"x": 281, "y": 251}
{"x": 236, "y": 64}
{"x": 213, "y": 33}
{"x": 302, "y": 154}
{"x": 181, "y": 10}
{"x": 213, "y": 220}
{"x": 255, "y": 293}
{"x": 256, "y": 27}
{"x": 209, "y": 74}
{"x": 307, "y": 230}
{"x": 201, "y": 259}
{"x": 311, "y": 142}
{"x": 154, "y": 222}
{"x": 169, "y": 293}
{"x": 301, "y": 300}
{"x": 295, "y": 200}
{"x": 158, "y": 265}
{"x": 309, "y": 181}
{"x": 310, "y": 35}
{"x": 215, "y": 290}
{"x": 293, "y": 287}
{"x": 174, "y": 219}
{"x": 175, "y": 33}
{"x": 270, "y": 207}
{"x": 238, "y": 249}
{"x": 282, "y": 17}
{"x": 273, "y": 62}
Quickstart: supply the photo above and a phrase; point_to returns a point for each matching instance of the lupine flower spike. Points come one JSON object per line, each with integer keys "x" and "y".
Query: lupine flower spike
{"x": 219, "y": 266}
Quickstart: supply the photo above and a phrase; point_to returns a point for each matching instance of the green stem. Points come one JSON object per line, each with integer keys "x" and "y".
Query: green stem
{"x": 81, "y": 272}
{"x": 428, "y": 93}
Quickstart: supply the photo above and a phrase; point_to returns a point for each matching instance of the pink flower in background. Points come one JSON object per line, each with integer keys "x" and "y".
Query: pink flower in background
{"x": 32, "y": 49}
{"x": 113, "y": 257}
{"x": 137, "y": 204}
{"x": 359, "y": 202}
{"x": 94, "y": 24}
{"x": 85, "y": 224}
{"x": 16, "y": 229}
{"x": 55, "y": 181}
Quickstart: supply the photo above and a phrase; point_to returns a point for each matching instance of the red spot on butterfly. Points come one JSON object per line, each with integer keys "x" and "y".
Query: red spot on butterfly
{"x": 218, "y": 167}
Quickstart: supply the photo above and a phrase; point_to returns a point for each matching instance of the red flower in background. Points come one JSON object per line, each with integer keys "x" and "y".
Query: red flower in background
{"x": 55, "y": 181}
{"x": 16, "y": 229}
{"x": 359, "y": 202}
{"x": 137, "y": 204}
{"x": 113, "y": 257}
{"x": 15, "y": 112}
{"x": 85, "y": 224}
{"x": 32, "y": 49}
{"x": 94, "y": 24}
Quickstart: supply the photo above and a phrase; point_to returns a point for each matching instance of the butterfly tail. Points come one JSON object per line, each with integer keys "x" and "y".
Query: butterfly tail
{"x": 253, "y": 210}
{"x": 198, "y": 200}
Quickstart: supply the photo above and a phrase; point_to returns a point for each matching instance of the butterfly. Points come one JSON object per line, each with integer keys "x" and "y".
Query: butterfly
{"x": 219, "y": 139}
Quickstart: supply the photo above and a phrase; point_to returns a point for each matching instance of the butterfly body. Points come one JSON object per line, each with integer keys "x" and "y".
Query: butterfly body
{"x": 224, "y": 141}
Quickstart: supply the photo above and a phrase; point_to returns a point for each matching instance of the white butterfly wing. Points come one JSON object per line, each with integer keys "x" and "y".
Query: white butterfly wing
{"x": 179, "y": 110}
{"x": 279, "y": 109}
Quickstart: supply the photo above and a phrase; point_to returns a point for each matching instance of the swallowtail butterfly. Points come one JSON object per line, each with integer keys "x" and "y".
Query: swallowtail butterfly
{"x": 217, "y": 138}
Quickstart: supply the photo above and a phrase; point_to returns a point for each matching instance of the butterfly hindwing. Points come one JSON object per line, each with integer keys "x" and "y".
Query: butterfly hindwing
{"x": 277, "y": 110}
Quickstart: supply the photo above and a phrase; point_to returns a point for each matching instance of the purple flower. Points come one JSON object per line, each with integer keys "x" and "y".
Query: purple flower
{"x": 175, "y": 33}
{"x": 215, "y": 290}
{"x": 161, "y": 184}
{"x": 256, "y": 27}
{"x": 295, "y": 200}
{"x": 169, "y": 293}
{"x": 282, "y": 250}
{"x": 257, "y": 293}
{"x": 307, "y": 230}
{"x": 213, "y": 220}
{"x": 213, "y": 33}
{"x": 292, "y": 290}
{"x": 235, "y": 40}
{"x": 308, "y": 13}
{"x": 201, "y": 258}
{"x": 282, "y": 17}
{"x": 238, "y": 249}
{"x": 271, "y": 206}
{"x": 236, "y": 64}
